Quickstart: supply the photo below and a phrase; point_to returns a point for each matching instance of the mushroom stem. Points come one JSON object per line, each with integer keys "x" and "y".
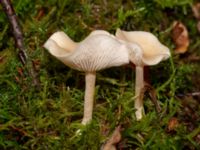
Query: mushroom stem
{"x": 90, "y": 78}
{"x": 139, "y": 84}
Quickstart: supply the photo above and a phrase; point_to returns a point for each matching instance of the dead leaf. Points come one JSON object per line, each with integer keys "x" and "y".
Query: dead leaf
{"x": 2, "y": 59}
{"x": 152, "y": 93}
{"x": 180, "y": 37}
{"x": 40, "y": 14}
{"x": 196, "y": 10}
{"x": 197, "y": 138}
{"x": 172, "y": 124}
{"x": 20, "y": 71}
{"x": 113, "y": 140}
{"x": 198, "y": 26}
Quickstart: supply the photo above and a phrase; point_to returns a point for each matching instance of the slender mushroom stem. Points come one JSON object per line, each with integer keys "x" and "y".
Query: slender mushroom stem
{"x": 139, "y": 84}
{"x": 90, "y": 78}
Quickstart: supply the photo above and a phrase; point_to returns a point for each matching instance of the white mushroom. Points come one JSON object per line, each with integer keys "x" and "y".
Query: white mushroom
{"x": 153, "y": 52}
{"x": 98, "y": 51}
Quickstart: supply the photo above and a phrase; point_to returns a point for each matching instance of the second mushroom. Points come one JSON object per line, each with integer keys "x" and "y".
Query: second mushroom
{"x": 152, "y": 53}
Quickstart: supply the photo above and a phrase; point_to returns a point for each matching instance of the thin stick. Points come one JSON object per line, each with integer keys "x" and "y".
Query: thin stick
{"x": 8, "y": 9}
{"x": 18, "y": 36}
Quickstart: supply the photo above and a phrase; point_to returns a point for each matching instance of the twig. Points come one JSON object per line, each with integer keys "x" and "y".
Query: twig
{"x": 189, "y": 94}
{"x": 18, "y": 36}
{"x": 21, "y": 131}
{"x": 8, "y": 9}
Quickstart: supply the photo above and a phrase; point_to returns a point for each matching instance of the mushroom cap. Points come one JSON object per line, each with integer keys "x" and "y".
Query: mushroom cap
{"x": 62, "y": 40}
{"x": 153, "y": 50}
{"x": 97, "y": 32}
{"x": 101, "y": 32}
{"x": 97, "y": 51}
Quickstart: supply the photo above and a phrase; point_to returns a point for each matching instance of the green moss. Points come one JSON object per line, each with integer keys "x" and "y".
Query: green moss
{"x": 49, "y": 117}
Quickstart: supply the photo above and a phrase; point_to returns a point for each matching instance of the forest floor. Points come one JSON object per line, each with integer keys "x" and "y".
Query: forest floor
{"x": 47, "y": 115}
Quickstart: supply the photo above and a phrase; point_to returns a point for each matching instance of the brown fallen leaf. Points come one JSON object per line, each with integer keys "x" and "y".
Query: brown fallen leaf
{"x": 152, "y": 93}
{"x": 2, "y": 59}
{"x": 180, "y": 37}
{"x": 40, "y": 14}
{"x": 197, "y": 138}
{"x": 196, "y": 10}
{"x": 198, "y": 26}
{"x": 172, "y": 124}
{"x": 20, "y": 71}
{"x": 113, "y": 140}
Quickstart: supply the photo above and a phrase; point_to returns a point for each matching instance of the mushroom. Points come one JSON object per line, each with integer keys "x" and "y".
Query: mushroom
{"x": 153, "y": 52}
{"x": 100, "y": 50}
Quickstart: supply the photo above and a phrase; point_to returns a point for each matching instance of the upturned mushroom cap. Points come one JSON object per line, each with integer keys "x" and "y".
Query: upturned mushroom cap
{"x": 153, "y": 50}
{"x": 98, "y": 51}
{"x": 62, "y": 41}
